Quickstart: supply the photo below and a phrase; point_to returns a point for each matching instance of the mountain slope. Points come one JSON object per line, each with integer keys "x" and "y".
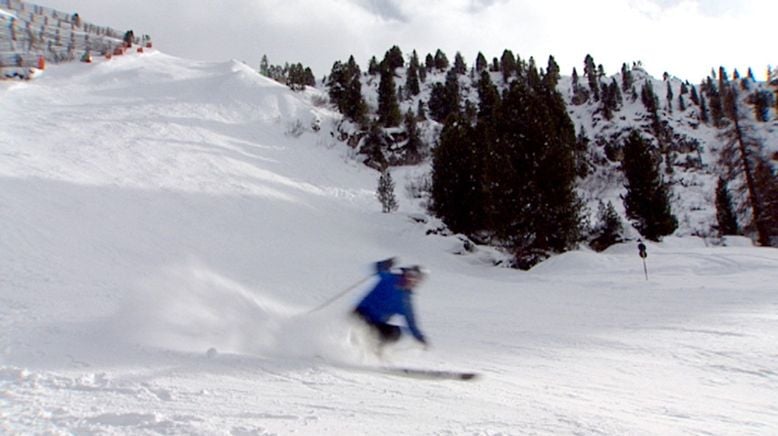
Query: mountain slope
{"x": 689, "y": 148}
{"x": 167, "y": 226}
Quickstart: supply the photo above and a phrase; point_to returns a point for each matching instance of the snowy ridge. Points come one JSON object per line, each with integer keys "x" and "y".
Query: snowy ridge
{"x": 167, "y": 226}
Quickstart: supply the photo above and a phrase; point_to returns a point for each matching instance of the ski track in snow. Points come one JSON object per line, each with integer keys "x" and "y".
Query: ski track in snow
{"x": 163, "y": 237}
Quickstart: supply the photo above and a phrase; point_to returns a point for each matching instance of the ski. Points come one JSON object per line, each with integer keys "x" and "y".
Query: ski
{"x": 431, "y": 374}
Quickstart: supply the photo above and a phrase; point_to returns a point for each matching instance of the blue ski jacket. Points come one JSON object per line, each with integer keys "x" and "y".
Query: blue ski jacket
{"x": 387, "y": 299}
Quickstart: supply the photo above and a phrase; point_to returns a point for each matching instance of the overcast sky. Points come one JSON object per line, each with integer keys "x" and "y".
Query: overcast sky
{"x": 683, "y": 37}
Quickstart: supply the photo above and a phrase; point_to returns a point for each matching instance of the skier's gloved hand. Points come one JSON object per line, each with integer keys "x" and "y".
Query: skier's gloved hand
{"x": 386, "y": 264}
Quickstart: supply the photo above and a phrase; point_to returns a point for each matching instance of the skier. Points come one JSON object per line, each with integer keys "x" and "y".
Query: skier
{"x": 391, "y": 296}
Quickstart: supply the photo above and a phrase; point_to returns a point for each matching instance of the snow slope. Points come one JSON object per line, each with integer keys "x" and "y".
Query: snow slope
{"x": 166, "y": 227}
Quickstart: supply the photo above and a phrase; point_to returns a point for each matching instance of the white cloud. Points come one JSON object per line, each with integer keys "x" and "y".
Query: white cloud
{"x": 684, "y": 37}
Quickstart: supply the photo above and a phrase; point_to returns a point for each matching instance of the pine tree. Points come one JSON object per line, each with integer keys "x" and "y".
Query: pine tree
{"x": 552, "y": 73}
{"x": 414, "y": 61}
{"x": 298, "y": 77}
{"x": 715, "y": 104}
{"x": 488, "y": 97}
{"x": 389, "y": 114}
{"x": 264, "y": 66}
{"x": 422, "y": 74}
{"x": 459, "y": 64}
{"x": 609, "y": 229}
{"x": 648, "y": 97}
{"x": 606, "y": 108}
{"x": 393, "y": 59}
{"x": 522, "y": 67}
{"x": 590, "y": 71}
{"x": 345, "y": 90}
{"x": 385, "y": 192}
{"x": 693, "y": 95}
{"x": 618, "y": 99}
{"x": 444, "y": 98}
{"x": 429, "y": 62}
{"x": 308, "y": 78}
{"x": 580, "y": 94}
{"x": 725, "y": 212}
{"x": 372, "y": 66}
{"x": 762, "y": 101}
{"x": 457, "y": 194}
{"x": 651, "y": 103}
{"x": 414, "y": 144}
{"x": 507, "y": 65}
{"x": 438, "y": 103}
{"x": 661, "y": 133}
{"x": 766, "y": 180}
{"x": 669, "y": 97}
{"x": 355, "y": 104}
{"x": 723, "y": 79}
{"x": 743, "y": 159}
{"x": 611, "y": 99}
{"x": 703, "y": 110}
{"x": 529, "y": 74}
{"x": 582, "y": 164}
{"x": 535, "y": 210}
{"x": 745, "y": 82}
{"x": 421, "y": 113}
{"x": 480, "y": 63}
{"x": 293, "y": 76}
{"x": 412, "y": 76}
{"x": 373, "y": 146}
{"x": 646, "y": 201}
{"x": 441, "y": 61}
{"x": 626, "y": 77}
{"x": 129, "y": 38}
{"x": 277, "y": 73}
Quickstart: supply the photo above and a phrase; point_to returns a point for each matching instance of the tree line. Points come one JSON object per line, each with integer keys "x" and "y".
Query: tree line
{"x": 505, "y": 166}
{"x": 296, "y": 76}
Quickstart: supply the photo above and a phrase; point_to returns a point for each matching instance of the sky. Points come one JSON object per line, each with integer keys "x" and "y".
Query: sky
{"x": 685, "y": 38}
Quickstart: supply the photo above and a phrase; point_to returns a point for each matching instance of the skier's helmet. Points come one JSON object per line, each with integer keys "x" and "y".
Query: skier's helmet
{"x": 412, "y": 275}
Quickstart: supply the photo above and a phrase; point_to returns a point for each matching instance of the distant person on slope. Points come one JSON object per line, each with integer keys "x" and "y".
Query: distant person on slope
{"x": 391, "y": 296}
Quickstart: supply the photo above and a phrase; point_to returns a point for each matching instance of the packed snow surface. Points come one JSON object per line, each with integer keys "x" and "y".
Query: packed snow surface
{"x": 168, "y": 227}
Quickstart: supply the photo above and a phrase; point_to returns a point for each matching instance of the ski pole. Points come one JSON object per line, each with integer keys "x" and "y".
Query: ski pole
{"x": 340, "y": 294}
